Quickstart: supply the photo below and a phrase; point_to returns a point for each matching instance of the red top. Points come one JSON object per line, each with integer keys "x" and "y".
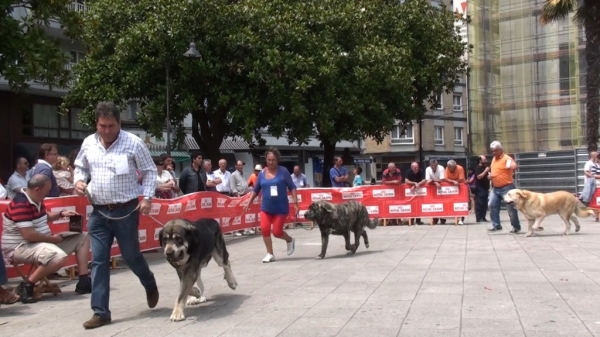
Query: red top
{"x": 390, "y": 176}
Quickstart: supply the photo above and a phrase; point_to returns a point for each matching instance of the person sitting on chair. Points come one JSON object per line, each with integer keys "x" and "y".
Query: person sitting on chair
{"x": 26, "y": 238}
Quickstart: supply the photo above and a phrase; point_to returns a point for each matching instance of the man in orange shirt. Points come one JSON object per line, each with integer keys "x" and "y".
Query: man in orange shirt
{"x": 455, "y": 174}
{"x": 501, "y": 175}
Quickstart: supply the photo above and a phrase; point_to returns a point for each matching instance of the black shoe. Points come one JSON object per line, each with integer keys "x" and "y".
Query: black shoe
{"x": 495, "y": 228}
{"x": 25, "y": 290}
{"x": 84, "y": 286}
{"x": 152, "y": 297}
{"x": 515, "y": 230}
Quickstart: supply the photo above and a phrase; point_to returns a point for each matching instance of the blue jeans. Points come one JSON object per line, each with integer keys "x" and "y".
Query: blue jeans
{"x": 496, "y": 197}
{"x": 102, "y": 232}
{"x": 3, "y": 274}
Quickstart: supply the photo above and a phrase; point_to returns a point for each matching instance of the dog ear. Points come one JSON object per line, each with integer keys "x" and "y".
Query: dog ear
{"x": 160, "y": 237}
{"x": 191, "y": 236}
{"x": 523, "y": 194}
{"x": 328, "y": 207}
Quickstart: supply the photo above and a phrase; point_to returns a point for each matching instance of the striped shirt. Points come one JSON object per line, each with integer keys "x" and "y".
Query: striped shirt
{"x": 113, "y": 170}
{"x": 22, "y": 212}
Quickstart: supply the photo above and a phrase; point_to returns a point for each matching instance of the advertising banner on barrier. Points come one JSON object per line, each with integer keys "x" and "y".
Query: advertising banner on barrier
{"x": 381, "y": 201}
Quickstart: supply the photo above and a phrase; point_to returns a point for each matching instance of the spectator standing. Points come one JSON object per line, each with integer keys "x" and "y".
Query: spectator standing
{"x": 239, "y": 187}
{"x": 392, "y": 177}
{"x": 211, "y": 180}
{"x": 274, "y": 182}
{"x": 434, "y": 174}
{"x": 502, "y": 170}
{"x": 472, "y": 183}
{"x": 252, "y": 179}
{"x": 110, "y": 157}
{"x": 18, "y": 180}
{"x": 64, "y": 176}
{"x": 193, "y": 178}
{"x": 48, "y": 155}
{"x": 482, "y": 188}
{"x": 338, "y": 174}
{"x": 224, "y": 176}
{"x": 415, "y": 179}
{"x": 165, "y": 183}
{"x": 357, "y": 181}
{"x": 455, "y": 174}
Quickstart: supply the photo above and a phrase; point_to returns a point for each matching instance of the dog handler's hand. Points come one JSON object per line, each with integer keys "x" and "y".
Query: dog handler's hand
{"x": 145, "y": 206}
{"x": 80, "y": 188}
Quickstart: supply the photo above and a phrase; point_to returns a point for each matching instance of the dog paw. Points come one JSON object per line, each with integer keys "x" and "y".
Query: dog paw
{"x": 319, "y": 257}
{"x": 177, "y": 315}
{"x": 528, "y": 235}
{"x": 195, "y": 300}
{"x": 232, "y": 284}
{"x": 367, "y": 245}
{"x": 539, "y": 229}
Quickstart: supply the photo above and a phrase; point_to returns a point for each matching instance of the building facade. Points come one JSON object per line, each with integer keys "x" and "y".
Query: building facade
{"x": 527, "y": 81}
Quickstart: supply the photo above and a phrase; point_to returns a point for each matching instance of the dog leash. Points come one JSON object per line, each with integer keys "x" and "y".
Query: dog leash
{"x": 89, "y": 197}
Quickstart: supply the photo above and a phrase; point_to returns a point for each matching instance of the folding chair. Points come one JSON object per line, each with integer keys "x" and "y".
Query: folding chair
{"x": 42, "y": 287}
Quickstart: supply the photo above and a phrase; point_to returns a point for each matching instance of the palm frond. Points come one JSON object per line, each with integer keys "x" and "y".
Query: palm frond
{"x": 554, "y": 10}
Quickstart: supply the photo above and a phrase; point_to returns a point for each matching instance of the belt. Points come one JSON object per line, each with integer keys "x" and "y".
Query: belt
{"x": 119, "y": 204}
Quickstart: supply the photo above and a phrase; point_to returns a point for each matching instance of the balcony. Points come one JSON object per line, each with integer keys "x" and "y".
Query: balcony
{"x": 77, "y": 6}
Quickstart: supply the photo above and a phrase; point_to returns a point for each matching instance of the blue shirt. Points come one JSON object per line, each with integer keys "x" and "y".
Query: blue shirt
{"x": 45, "y": 169}
{"x": 357, "y": 180}
{"x": 274, "y": 191}
{"x": 337, "y": 173}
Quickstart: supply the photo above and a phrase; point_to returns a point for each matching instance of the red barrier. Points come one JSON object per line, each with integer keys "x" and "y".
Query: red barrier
{"x": 595, "y": 201}
{"x": 386, "y": 202}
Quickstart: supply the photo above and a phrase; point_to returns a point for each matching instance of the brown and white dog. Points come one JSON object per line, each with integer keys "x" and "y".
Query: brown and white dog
{"x": 537, "y": 206}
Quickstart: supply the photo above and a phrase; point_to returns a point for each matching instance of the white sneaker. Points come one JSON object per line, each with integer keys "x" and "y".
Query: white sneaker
{"x": 269, "y": 258}
{"x": 460, "y": 222}
{"x": 238, "y": 234}
{"x": 291, "y": 246}
{"x": 251, "y": 231}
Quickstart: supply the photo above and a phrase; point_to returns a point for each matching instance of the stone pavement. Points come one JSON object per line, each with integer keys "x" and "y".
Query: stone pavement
{"x": 413, "y": 281}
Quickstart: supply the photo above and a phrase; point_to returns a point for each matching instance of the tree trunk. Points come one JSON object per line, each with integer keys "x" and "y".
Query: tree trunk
{"x": 209, "y": 145}
{"x": 328, "y": 155}
{"x": 592, "y": 55}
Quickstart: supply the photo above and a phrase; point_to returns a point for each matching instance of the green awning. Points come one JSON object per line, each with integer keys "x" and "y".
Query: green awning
{"x": 178, "y": 156}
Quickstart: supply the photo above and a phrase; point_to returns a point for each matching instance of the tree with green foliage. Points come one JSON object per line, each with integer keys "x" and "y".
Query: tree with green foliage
{"x": 587, "y": 14}
{"x": 26, "y": 52}
{"x": 341, "y": 70}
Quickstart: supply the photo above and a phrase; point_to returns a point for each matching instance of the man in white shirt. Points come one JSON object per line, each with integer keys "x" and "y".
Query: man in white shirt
{"x": 224, "y": 176}
{"x": 18, "y": 180}
{"x": 211, "y": 180}
{"x": 109, "y": 159}
{"x": 299, "y": 178}
{"x": 434, "y": 174}
{"x": 3, "y": 192}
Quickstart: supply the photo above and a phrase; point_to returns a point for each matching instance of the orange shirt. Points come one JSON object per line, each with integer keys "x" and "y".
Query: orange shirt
{"x": 458, "y": 174}
{"x": 252, "y": 180}
{"x": 502, "y": 174}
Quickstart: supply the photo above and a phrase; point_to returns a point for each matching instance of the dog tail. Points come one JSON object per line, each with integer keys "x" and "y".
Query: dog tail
{"x": 372, "y": 224}
{"x": 584, "y": 212}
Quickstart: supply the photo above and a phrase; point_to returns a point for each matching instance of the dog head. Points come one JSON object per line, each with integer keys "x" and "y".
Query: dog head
{"x": 175, "y": 238}
{"x": 320, "y": 211}
{"x": 516, "y": 197}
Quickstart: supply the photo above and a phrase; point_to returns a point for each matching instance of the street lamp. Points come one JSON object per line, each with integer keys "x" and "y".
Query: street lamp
{"x": 192, "y": 53}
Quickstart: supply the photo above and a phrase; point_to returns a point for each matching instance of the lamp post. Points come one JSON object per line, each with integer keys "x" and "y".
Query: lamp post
{"x": 192, "y": 53}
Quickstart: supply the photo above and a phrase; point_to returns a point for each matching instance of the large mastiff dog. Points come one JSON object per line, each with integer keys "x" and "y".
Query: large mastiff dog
{"x": 341, "y": 219}
{"x": 537, "y": 206}
{"x": 189, "y": 246}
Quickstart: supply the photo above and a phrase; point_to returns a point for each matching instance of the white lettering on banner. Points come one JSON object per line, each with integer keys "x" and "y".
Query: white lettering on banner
{"x": 156, "y": 232}
{"x": 221, "y": 202}
{"x": 461, "y": 207}
{"x": 421, "y": 191}
{"x": 321, "y": 196}
{"x": 237, "y": 221}
{"x": 429, "y": 208}
{"x": 447, "y": 190}
{"x": 301, "y": 214}
{"x": 115, "y": 244}
{"x": 205, "y": 203}
{"x": 373, "y": 209}
{"x": 191, "y": 205}
{"x": 400, "y": 209}
{"x": 65, "y": 208}
{"x": 174, "y": 208}
{"x": 386, "y": 193}
{"x": 352, "y": 195}
{"x": 88, "y": 211}
{"x": 225, "y": 222}
{"x": 234, "y": 202}
{"x": 298, "y": 196}
{"x": 597, "y": 200}
{"x": 155, "y": 209}
{"x": 142, "y": 235}
{"x": 250, "y": 218}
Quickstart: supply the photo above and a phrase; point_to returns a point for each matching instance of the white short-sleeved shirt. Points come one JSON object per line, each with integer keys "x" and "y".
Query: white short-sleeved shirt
{"x": 438, "y": 174}
{"x": 592, "y": 167}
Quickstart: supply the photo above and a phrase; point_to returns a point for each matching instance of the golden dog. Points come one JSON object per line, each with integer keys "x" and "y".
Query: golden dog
{"x": 537, "y": 206}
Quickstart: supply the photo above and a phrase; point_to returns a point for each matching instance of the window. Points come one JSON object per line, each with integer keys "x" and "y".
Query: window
{"x": 403, "y": 134}
{"x": 77, "y": 56}
{"x": 439, "y": 135}
{"x": 440, "y": 102}
{"x": 45, "y": 121}
{"x": 458, "y": 136}
{"x": 457, "y": 104}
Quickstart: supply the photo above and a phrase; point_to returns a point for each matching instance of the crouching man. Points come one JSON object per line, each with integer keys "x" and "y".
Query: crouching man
{"x": 26, "y": 238}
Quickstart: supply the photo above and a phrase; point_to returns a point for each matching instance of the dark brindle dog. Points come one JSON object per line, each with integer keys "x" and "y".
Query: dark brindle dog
{"x": 341, "y": 219}
{"x": 189, "y": 246}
